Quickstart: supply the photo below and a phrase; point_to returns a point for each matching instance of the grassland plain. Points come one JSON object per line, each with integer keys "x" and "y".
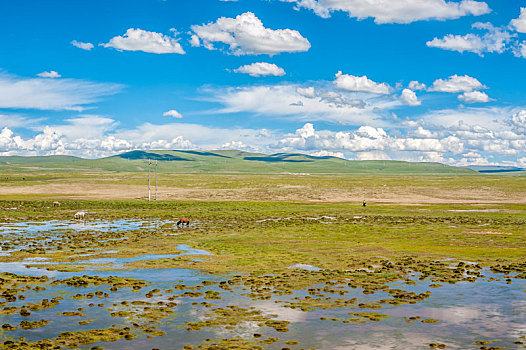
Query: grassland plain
{"x": 444, "y": 228}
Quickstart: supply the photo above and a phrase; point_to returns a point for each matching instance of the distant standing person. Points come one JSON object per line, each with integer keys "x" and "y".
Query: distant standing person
{"x": 364, "y": 204}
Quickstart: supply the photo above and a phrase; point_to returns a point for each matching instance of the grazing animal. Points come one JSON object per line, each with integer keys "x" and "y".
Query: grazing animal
{"x": 80, "y": 215}
{"x": 183, "y": 221}
{"x": 56, "y": 204}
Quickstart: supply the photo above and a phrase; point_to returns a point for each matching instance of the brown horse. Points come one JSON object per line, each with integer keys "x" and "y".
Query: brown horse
{"x": 183, "y": 221}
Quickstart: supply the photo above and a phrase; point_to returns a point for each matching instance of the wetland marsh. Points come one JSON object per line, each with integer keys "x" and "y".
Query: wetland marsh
{"x": 273, "y": 273}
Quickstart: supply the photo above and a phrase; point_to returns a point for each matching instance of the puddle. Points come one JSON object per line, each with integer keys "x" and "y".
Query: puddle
{"x": 109, "y": 263}
{"x": 477, "y": 210}
{"x": 323, "y": 218}
{"x": 273, "y": 219}
{"x": 305, "y": 267}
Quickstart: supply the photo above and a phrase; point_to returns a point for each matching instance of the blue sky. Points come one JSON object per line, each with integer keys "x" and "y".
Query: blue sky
{"x": 418, "y": 80}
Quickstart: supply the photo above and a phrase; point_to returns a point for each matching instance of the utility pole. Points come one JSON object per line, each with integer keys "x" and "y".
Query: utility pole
{"x": 155, "y": 180}
{"x": 149, "y": 194}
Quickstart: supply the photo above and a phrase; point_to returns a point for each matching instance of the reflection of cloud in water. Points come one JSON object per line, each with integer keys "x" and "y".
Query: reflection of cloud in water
{"x": 456, "y": 314}
{"x": 284, "y": 313}
{"x": 247, "y": 329}
{"x": 244, "y": 330}
{"x": 385, "y": 340}
{"x": 19, "y": 267}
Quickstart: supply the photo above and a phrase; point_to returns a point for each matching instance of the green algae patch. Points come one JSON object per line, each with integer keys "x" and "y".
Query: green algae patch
{"x": 32, "y": 325}
{"x": 71, "y": 314}
{"x": 8, "y": 327}
{"x": 309, "y": 303}
{"x": 279, "y": 326}
{"x": 44, "y": 304}
{"x": 85, "y": 322}
{"x": 74, "y": 339}
{"x": 228, "y": 316}
{"x": 371, "y": 316}
{"x": 87, "y": 281}
{"x": 430, "y": 320}
{"x": 232, "y": 343}
{"x": 139, "y": 310}
{"x": 12, "y": 284}
{"x": 71, "y": 339}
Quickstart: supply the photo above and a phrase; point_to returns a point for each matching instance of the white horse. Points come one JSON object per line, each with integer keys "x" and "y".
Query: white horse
{"x": 56, "y": 204}
{"x": 80, "y": 215}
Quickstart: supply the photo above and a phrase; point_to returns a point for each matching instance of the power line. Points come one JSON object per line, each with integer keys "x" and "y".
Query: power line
{"x": 149, "y": 193}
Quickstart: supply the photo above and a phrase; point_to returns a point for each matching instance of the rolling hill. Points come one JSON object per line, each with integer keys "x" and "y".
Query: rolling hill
{"x": 223, "y": 161}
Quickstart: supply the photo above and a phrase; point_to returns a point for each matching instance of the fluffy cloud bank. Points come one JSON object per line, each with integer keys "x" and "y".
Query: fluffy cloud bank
{"x": 246, "y": 35}
{"x": 396, "y": 11}
{"x": 454, "y": 145}
{"x": 478, "y": 136}
{"x": 259, "y": 69}
{"x": 142, "y": 40}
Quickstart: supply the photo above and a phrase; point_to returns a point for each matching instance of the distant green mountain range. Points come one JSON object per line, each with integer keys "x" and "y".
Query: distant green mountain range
{"x": 495, "y": 169}
{"x": 224, "y": 162}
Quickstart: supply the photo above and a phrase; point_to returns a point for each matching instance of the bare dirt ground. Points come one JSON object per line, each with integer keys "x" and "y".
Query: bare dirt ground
{"x": 309, "y": 193}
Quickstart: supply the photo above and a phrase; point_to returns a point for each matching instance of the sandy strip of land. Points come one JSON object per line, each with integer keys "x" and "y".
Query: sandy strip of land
{"x": 407, "y": 195}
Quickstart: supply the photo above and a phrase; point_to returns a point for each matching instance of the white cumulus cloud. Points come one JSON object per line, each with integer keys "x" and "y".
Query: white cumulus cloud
{"x": 308, "y": 92}
{"x": 324, "y": 153}
{"x": 495, "y": 40}
{"x": 520, "y": 50}
{"x": 518, "y": 121}
{"x": 81, "y": 45}
{"x": 474, "y": 97}
{"x": 246, "y": 35}
{"x": 354, "y": 83}
{"x": 396, "y": 11}
{"x": 172, "y": 113}
{"x": 457, "y": 83}
{"x": 409, "y": 98}
{"x": 519, "y": 24}
{"x": 240, "y": 146}
{"x": 51, "y": 74}
{"x": 142, "y": 40}
{"x": 415, "y": 85}
{"x": 259, "y": 69}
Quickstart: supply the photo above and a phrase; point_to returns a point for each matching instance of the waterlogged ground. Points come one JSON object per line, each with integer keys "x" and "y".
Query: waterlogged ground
{"x": 262, "y": 275}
